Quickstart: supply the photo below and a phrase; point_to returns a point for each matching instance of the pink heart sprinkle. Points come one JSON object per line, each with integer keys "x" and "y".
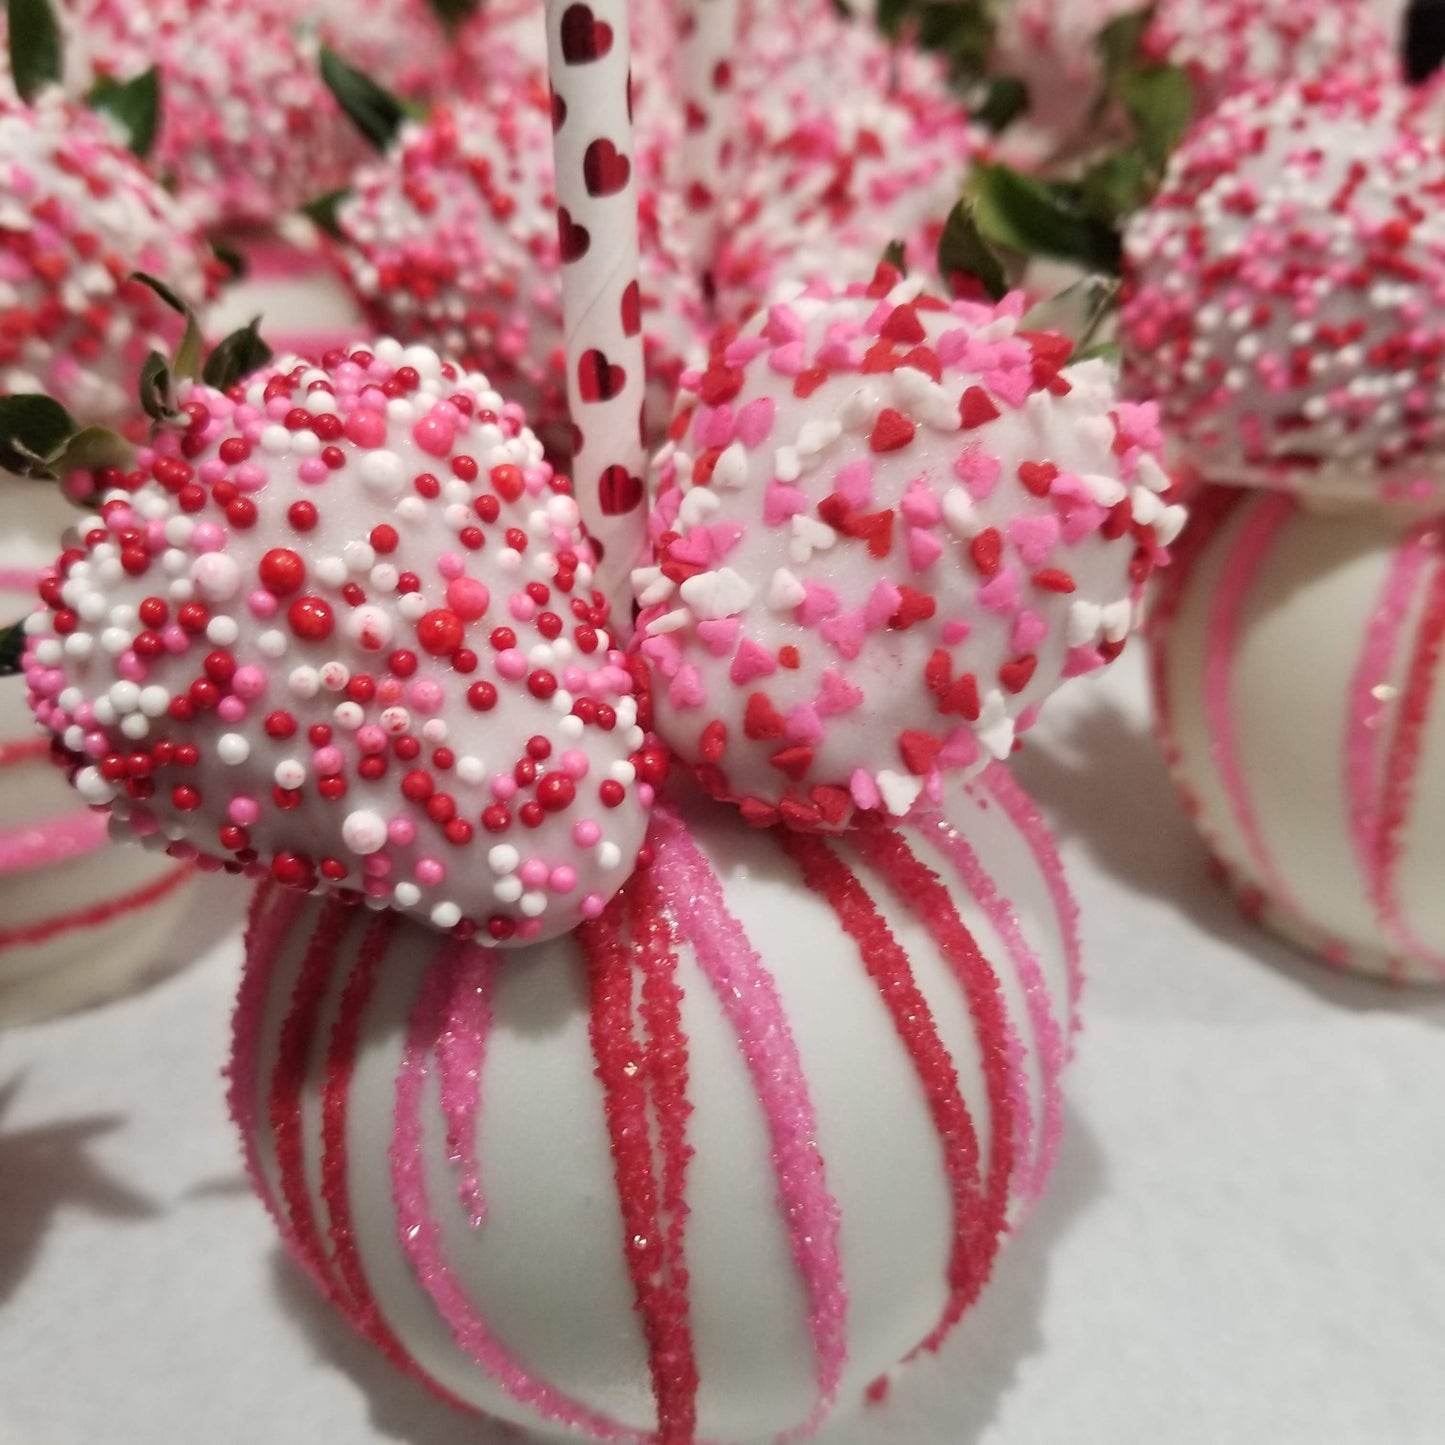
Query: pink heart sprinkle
{"x": 1082, "y": 660}
{"x": 845, "y": 633}
{"x": 924, "y": 549}
{"x": 920, "y": 506}
{"x": 955, "y": 632}
{"x": 865, "y": 791}
{"x": 882, "y": 603}
{"x": 854, "y": 483}
{"x": 803, "y": 726}
{"x": 751, "y": 661}
{"x": 755, "y": 421}
{"x": 818, "y": 603}
{"x": 1034, "y": 537}
{"x": 780, "y": 502}
{"x": 837, "y": 695}
{"x": 686, "y": 689}
{"x": 1001, "y": 593}
{"x": 978, "y": 471}
{"x": 1029, "y": 631}
{"x": 715, "y": 426}
{"x": 720, "y": 635}
{"x": 789, "y": 359}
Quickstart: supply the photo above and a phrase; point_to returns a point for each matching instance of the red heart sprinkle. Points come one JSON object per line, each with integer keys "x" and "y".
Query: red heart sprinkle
{"x": 1016, "y": 675}
{"x": 919, "y": 752}
{"x": 1038, "y": 477}
{"x": 913, "y": 606}
{"x": 976, "y": 408}
{"x": 891, "y": 431}
{"x": 807, "y": 382}
{"x": 761, "y": 720}
{"x": 987, "y": 551}
{"x": 714, "y": 741}
{"x": 794, "y": 762}
{"x": 903, "y": 325}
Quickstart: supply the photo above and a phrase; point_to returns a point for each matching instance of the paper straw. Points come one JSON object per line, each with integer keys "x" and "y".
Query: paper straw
{"x": 709, "y": 34}
{"x": 587, "y": 63}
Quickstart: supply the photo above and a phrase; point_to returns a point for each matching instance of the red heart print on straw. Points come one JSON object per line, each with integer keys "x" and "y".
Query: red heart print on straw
{"x": 588, "y": 57}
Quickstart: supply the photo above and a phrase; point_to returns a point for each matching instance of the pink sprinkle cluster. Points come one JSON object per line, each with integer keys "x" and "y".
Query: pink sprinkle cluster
{"x": 1283, "y": 293}
{"x": 78, "y": 216}
{"x": 887, "y": 528}
{"x": 337, "y": 630}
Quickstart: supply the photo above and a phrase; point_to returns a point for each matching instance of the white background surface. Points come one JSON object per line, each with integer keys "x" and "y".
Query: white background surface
{"x": 1244, "y": 1242}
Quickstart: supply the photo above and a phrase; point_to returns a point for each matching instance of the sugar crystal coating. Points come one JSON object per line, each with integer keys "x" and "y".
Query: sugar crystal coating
{"x": 78, "y": 216}
{"x": 1283, "y": 292}
{"x": 338, "y": 630}
{"x": 887, "y": 528}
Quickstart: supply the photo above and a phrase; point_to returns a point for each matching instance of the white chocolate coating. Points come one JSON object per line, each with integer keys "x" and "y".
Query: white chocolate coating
{"x": 1296, "y": 660}
{"x": 779, "y": 1319}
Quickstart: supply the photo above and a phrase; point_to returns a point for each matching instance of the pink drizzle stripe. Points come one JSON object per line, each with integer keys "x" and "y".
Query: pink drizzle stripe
{"x": 1022, "y": 813}
{"x": 18, "y": 579}
{"x": 273, "y": 260}
{"x": 98, "y": 915}
{"x": 461, "y": 1057}
{"x": 361, "y": 1306}
{"x": 270, "y": 921}
{"x": 419, "y": 1231}
{"x": 919, "y": 888}
{"x": 293, "y": 1061}
{"x": 1048, "y": 1039}
{"x": 1366, "y": 729}
{"x": 1401, "y": 771}
{"x": 749, "y": 999}
{"x": 23, "y": 750}
{"x": 1251, "y": 547}
{"x": 56, "y": 840}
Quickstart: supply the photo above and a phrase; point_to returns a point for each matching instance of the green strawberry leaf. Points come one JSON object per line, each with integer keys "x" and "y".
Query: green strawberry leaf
{"x": 1078, "y": 311}
{"x": 37, "y": 49}
{"x": 158, "y": 389}
{"x": 324, "y": 213}
{"x": 375, "y": 112}
{"x": 90, "y": 449}
{"x": 1117, "y": 185}
{"x": 235, "y": 358}
{"x": 1120, "y": 43}
{"x": 134, "y": 105}
{"x": 186, "y": 363}
{"x": 895, "y": 255}
{"x": 1031, "y": 217}
{"x": 453, "y": 14}
{"x": 230, "y": 258}
{"x": 1006, "y": 99}
{"x": 34, "y": 429}
{"x": 964, "y": 250}
{"x": 1160, "y": 103}
{"x": 12, "y": 649}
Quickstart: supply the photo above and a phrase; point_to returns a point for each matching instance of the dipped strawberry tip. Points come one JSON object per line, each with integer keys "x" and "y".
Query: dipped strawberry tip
{"x": 887, "y": 528}
{"x": 337, "y": 628}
